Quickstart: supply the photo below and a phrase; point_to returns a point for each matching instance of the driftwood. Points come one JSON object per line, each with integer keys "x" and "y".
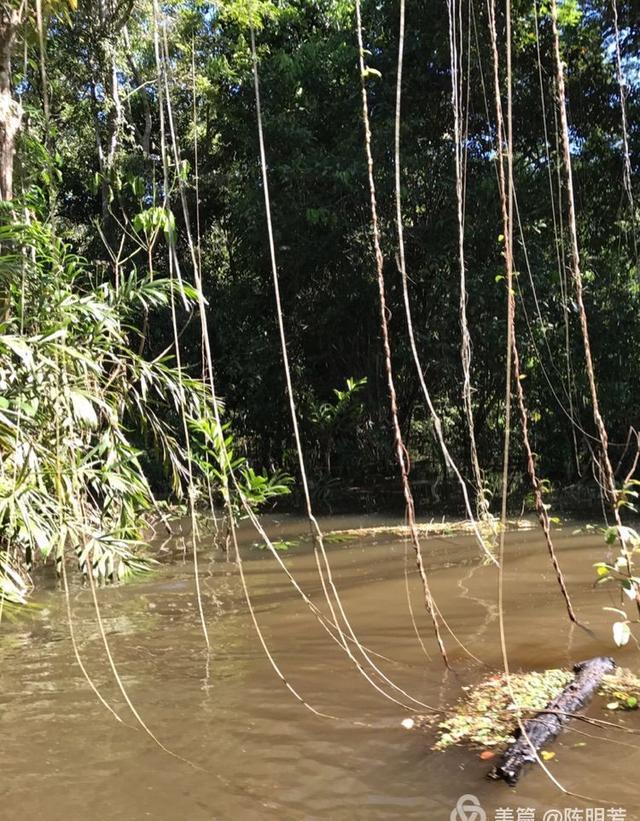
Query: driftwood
{"x": 548, "y": 723}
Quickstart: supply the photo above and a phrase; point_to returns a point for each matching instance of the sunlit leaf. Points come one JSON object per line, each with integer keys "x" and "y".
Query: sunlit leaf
{"x": 621, "y": 633}
{"x": 83, "y": 409}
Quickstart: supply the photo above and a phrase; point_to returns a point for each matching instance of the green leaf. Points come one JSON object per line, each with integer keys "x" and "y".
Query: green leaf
{"x": 83, "y": 409}
{"x": 19, "y": 347}
{"x": 610, "y": 535}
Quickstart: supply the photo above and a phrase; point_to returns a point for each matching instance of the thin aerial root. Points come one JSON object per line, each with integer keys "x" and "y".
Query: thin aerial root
{"x": 329, "y": 589}
{"x": 384, "y": 327}
{"x": 341, "y": 638}
{"x": 412, "y": 615}
{"x": 161, "y": 56}
{"x": 543, "y": 515}
{"x": 465, "y": 343}
{"x": 76, "y": 649}
{"x": 627, "y": 172}
{"x": 506, "y": 192}
{"x": 576, "y": 274}
{"x": 269, "y": 654}
{"x": 506, "y": 197}
{"x": 328, "y": 625}
{"x": 437, "y": 423}
{"x": 118, "y": 679}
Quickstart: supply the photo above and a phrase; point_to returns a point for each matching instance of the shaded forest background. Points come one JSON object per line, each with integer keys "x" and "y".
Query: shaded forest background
{"x": 89, "y": 152}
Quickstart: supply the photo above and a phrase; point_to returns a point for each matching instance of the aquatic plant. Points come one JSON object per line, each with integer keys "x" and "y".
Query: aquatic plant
{"x": 623, "y": 686}
{"x": 486, "y": 717}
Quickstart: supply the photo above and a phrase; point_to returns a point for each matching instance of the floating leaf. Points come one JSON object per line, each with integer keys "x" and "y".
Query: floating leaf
{"x": 485, "y": 717}
{"x": 546, "y": 755}
{"x": 621, "y": 633}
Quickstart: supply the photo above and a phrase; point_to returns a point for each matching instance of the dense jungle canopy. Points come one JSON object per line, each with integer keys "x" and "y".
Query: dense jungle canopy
{"x": 134, "y": 128}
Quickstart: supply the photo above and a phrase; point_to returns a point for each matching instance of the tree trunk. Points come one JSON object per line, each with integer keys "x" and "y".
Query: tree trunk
{"x": 10, "y": 110}
{"x": 547, "y": 724}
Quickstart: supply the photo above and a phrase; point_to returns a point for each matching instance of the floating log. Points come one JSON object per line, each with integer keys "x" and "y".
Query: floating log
{"x": 548, "y": 723}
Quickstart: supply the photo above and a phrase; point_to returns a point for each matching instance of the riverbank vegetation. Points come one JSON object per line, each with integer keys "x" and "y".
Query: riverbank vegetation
{"x": 168, "y": 171}
{"x": 269, "y": 248}
{"x": 89, "y": 144}
{"x": 138, "y": 255}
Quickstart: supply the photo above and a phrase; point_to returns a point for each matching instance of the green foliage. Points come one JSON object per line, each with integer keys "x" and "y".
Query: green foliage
{"x": 485, "y": 717}
{"x": 623, "y": 686}
{"x": 106, "y": 172}
{"x": 239, "y": 484}
{"x": 334, "y": 423}
{"x": 281, "y": 545}
{"x": 154, "y": 220}
{"x": 73, "y": 391}
{"x": 76, "y": 397}
{"x": 569, "y": 12}
{"x": 249, "y": 13}
{"x": 620, "y": 571}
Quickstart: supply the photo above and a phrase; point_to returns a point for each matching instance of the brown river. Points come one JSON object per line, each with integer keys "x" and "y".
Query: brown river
{"x": 257, "y": 753}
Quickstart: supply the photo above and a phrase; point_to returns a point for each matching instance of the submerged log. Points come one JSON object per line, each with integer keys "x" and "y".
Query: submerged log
{"x": 548, "y": 723}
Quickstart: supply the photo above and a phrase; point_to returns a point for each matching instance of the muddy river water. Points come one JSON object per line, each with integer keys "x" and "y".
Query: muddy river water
{"x": 258, "y": 753}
